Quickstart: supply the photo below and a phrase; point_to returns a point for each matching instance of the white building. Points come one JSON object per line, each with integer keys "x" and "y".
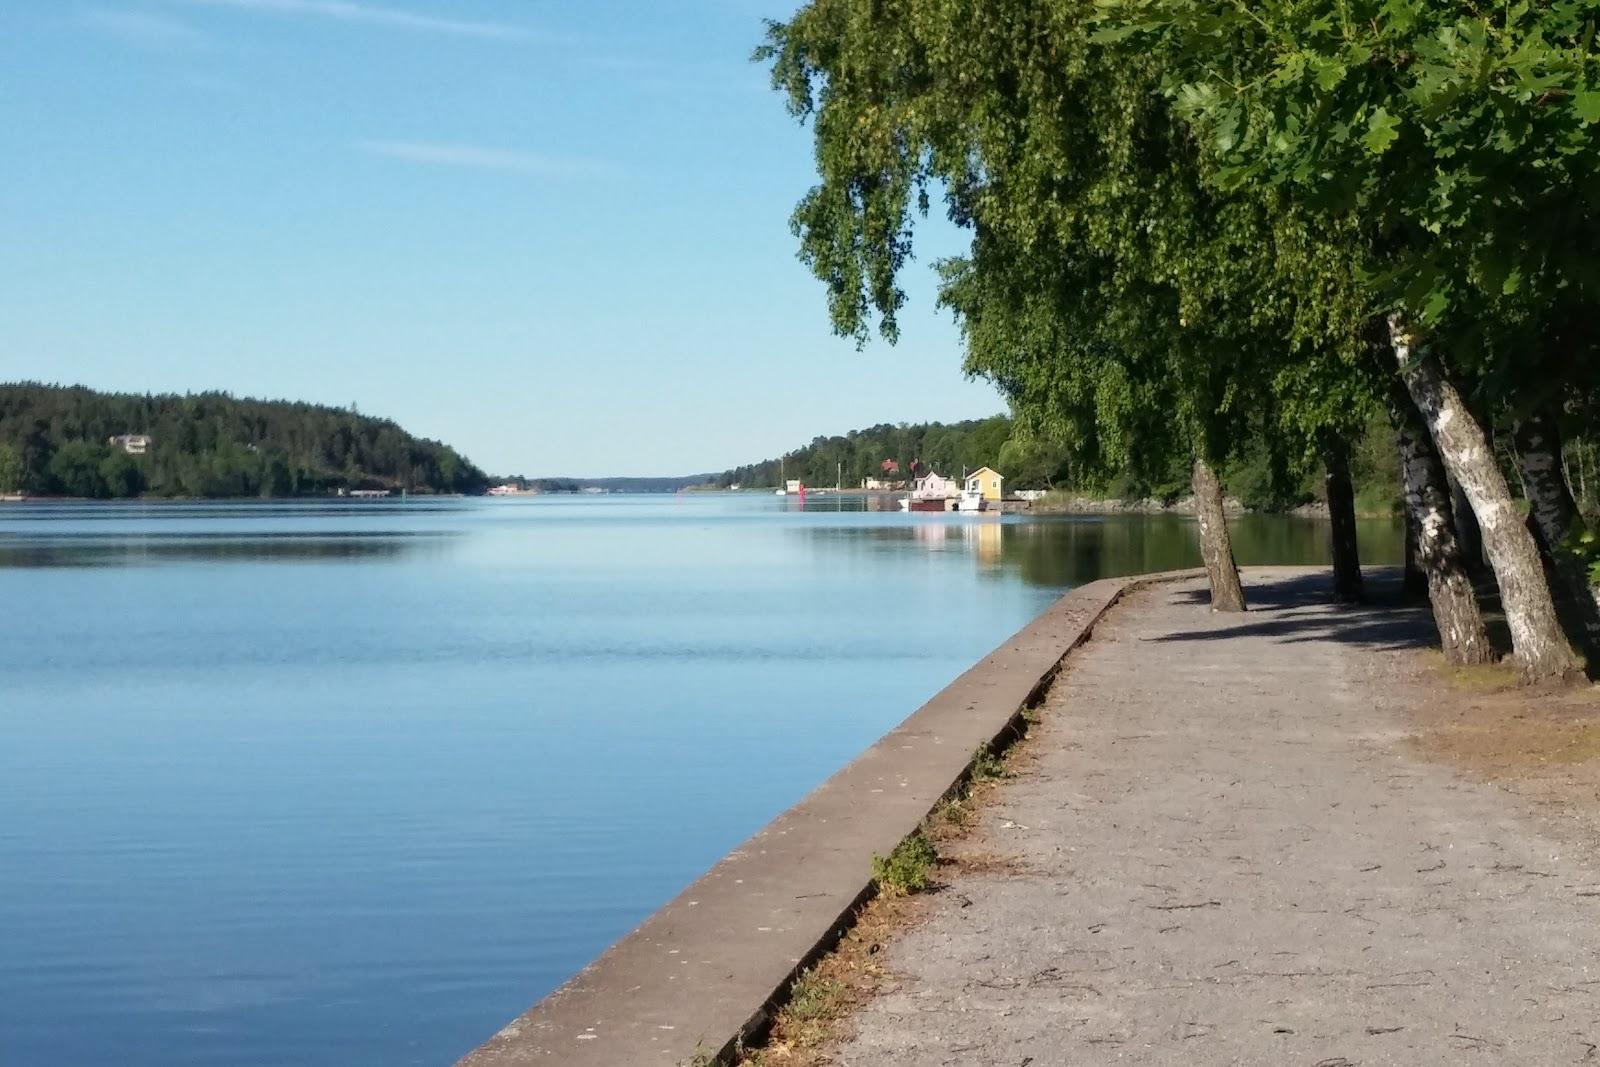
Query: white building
{"x": 933, "y": 486}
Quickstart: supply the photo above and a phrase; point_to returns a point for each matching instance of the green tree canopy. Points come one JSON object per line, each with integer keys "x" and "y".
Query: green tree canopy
{"x": 212, "y": 444}
{"x": 1124, "y": 303}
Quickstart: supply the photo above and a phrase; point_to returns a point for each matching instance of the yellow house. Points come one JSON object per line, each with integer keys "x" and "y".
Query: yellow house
{"x": 986, "y": 483}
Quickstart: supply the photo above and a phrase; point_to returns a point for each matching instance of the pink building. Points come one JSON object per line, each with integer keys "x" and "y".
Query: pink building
{"x": 932, "y": 486}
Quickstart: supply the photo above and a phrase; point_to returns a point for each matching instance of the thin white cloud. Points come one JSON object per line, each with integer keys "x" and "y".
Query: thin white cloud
{"x": 143, "y": 28}
{"x": 479, "y": 157}
{"x": 378, "y": 15}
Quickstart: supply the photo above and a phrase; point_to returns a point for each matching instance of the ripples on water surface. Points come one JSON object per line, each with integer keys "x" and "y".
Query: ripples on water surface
{"x": 350, "y": 783}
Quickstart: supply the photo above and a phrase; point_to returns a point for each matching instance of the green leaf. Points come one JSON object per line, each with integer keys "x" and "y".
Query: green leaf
{"x": 1227, "y": 130}
{"x": 1587, "y": 105}
{"x": 1400, "y": 14}
{"x": 1112, "y": 34}
{"x": 1382, "y": 129}
{"x": 1434, "y": 308}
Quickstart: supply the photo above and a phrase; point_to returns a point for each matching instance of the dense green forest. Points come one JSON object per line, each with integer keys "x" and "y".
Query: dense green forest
{"x": 57, "y": 440}
{"x": 1260, "y": 479}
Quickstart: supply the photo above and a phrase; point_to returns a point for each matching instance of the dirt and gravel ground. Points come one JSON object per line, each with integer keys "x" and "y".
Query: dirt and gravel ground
{"x": 1280, "y": 838}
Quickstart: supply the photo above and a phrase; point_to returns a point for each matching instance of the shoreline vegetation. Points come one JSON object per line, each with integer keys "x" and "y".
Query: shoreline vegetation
{"x": 69, "y": 443}
{"x": 75, "y": 443}
{"x": 1254, "y": 478}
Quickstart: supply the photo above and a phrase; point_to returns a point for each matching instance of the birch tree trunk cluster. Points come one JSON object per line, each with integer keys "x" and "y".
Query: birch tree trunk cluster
{"x": 1539, "y": 643}
{"x": 1459, "y": 509}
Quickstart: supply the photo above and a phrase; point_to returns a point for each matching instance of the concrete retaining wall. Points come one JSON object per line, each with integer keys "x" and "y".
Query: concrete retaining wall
{"x": 708, "y": 968}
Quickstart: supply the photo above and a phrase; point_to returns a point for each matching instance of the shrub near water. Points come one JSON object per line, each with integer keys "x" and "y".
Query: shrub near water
{"x": 906, "y": 868}
{"x": 987, "y": 765}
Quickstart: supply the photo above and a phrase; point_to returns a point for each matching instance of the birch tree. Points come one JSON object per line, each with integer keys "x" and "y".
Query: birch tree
{"x": 1110, "y": 290}
{"x": 1461, "y": 140}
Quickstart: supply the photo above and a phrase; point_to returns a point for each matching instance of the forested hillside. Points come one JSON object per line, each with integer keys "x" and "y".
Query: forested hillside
{"x": 1255, "y": 475}
{"x": 944, "y": 447}
{"x": 55, "y": 440}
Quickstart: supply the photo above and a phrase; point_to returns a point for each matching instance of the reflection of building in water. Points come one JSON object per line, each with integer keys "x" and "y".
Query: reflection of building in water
{"x": 983, "y": 539}
{"x": 987, "y": 538}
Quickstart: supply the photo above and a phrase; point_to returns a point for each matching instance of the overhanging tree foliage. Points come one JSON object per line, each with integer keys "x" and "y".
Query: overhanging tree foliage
{"x": 1458, "y": 140}
{"x": 1121, "y": 301}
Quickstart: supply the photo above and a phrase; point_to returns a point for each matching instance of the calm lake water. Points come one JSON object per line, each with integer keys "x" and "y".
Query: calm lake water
{"x": 340, "y": 783}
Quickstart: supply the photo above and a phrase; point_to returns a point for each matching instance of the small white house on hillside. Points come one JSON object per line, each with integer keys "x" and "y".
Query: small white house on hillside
{"x": 134, "y": 444}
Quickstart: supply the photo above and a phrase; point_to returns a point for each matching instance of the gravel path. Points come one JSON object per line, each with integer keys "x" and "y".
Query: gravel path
{"x": 1223, "y": 853}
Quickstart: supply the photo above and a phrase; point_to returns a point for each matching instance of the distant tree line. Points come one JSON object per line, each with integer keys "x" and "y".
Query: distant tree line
{"x": 1261, "y": 478}
{"x": 57, "y": 440}
{"x": 884, "y": 452}
{"x": 609, "y": 485}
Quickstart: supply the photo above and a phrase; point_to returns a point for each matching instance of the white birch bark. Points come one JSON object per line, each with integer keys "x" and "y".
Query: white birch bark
{"x": 1462, "y": 634}
{"x": 1216, "y": 547}
{"x": 1538, "y": 643}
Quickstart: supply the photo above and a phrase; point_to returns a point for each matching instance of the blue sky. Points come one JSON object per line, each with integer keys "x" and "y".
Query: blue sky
{"x": 552, "y": 234}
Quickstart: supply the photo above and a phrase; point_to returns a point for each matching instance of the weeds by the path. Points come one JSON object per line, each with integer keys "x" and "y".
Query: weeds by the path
{"x": 823, "y": 997}
{"x": 905, "y": 870}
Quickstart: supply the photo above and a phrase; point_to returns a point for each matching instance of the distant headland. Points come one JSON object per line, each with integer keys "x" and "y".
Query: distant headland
{"x": 73, "y": 441}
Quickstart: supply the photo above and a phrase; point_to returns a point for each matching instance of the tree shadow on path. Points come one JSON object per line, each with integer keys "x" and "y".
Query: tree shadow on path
{"x": 1300, "y": 609}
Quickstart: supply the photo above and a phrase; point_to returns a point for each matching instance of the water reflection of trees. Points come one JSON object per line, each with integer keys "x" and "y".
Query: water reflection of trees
{"x": 1073, "y": 550}
{"x": 152, "y": 549}
{"x": 188, "y": 510}
{"x": 854, "y": 503}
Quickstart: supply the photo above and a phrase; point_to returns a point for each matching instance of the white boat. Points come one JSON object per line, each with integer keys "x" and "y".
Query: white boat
{"x": 971, "y": 500}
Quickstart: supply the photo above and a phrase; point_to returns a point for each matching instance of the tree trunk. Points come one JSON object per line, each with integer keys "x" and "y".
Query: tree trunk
{"x": 1537, "y": 641}
{"x": 1552, "y": 518}
{"x": 1583, "y": 475}
{"x": 1215, "y": 545}
{"x": 1551, "y": 508}
{"x": 1427, "y": 493}
{"x": 1509, "y": 460}
{"x": 1566, "y": 472}
{"x": 1467, "y": 533}
{"x": 1414, "y": 580}
{"x": 1347, "y": 588}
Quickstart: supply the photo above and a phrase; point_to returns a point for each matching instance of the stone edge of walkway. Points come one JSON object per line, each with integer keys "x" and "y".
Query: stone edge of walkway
{"x": 709, "y": 967}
